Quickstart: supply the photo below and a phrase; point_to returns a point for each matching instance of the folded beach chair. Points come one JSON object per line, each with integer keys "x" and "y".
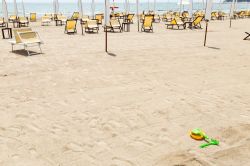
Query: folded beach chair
{"x": 248, "y": 36}
{"x": 46, "y": 20}
{"x": 27, "y": 38}
{"x": 23, "y": 21}
{"x": 2, "y": 22}
{"x": 32, "y": 17}
{"x": 99, "y": 18}
{"x": 91, "y": 26}
{"x": 115, "y": 24}
{"x": 147, "y": 24}
{"x": 75, "y": 16}
{"x": 70, "y": 27}
{"x": 12, "y": 18}
{"x": 176, "y": 22}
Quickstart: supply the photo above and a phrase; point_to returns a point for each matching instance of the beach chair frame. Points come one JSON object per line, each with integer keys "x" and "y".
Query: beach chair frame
{"x": 22, "y": 22}
{"x": 70, "y": 31}
{"x": 175, "y": 23}
{"x": 145, "y": 27}
{"x": 91, "y": 29}
{"x": 247, "y": 37}
{"x": 115, "y": 24}
{"x": 3, "y": 24}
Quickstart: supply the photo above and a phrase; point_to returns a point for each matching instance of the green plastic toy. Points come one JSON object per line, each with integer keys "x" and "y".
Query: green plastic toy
{"x": 198, "y": 134}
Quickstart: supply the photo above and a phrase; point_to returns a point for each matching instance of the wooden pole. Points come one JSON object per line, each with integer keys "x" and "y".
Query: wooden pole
{"x": 205, "y": 40}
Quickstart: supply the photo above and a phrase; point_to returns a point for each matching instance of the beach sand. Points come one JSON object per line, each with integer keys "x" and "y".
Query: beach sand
{"x": 75, "y": 105}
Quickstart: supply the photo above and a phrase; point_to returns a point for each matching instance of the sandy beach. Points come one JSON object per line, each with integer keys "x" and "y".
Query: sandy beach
{"x": 75, "y": 105}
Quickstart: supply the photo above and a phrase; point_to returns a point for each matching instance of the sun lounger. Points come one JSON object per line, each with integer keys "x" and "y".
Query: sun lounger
{"x": 61, "y": 18}
{"x": 147, "y": 24}
{"x": 75, "y": 16}
{"x": 12, "y": 18}
{"x": 196, "y": 23}
{"x": 115, "y": 24}
{"x": 176, "y": 22}
{"x": 91, "y": 26}
{"x": 46, "y": 20}
{"x": 27, "y": 38}
{"x": 32, "y": 17}
{"x": 129, "y": 18}
{"x": 2, "y": 22}
{"x": 99, "y": 18}
{"x": 157, "y": 18}
{"x": 167, "y": 17}
{"x": 23, "y": 21}
{"x": 70, "y": 27}
{"x": 248, "y": 36}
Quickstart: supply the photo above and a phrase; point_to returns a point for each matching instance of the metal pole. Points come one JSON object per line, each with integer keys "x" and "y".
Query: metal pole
{"x": 137, "y": 13}
{"x": 205, "y": 39}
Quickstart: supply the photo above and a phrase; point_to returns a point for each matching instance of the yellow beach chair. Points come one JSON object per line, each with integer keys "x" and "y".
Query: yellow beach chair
{"x": 176, "y": 22}
{"x": 70, "y": 27}
{"x": 12, "y": 18}
{"x": 26, "y": 37}
{"x": 46, "y": 20}
{"x": 129, "y": 18}
{"x": 147, "y": 24}
{"x": 99, "y": 18}
{"x": 115, "y": 24}
{"x": 32, "y": 17}
{"x": 92, "y": 26}
{"x": 75, "y": 16}
{"x": 23, "y": 21}
{"x": 197, "y": 22}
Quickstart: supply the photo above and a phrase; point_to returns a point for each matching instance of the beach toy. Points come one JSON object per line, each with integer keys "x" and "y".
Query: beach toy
{"x": 198, "y": 134}
{"x": 210, "y": 142}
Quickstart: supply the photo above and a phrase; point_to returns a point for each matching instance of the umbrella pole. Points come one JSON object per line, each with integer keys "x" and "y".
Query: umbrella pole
{"x": 106, "y": 40}
{"x": 205, "y": 39}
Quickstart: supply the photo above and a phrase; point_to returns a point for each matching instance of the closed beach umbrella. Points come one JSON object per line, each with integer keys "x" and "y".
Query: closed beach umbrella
{"x": 106, "y": 21}
{"x": 232, "y": 8}
{"x": 180, "y": 5}
{"x": 15, "y": 8}
{"x": 5, "y": 10}
{"x": 80, "y": 9}
{"x": 93, "y": 8}
{"x": 56, "y": 6}
{"x": 190, "y": 9}
{"x": 154, "y": 5}
{"x": 137, "y": 13}
{"x": 208, "y": 10}
{"x": 127, "y": 9}
{"x": 23, "y": 8}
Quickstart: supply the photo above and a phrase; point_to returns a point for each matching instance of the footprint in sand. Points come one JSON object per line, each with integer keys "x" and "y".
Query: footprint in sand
{"x": 74, "y": 147}
{"x": 33, "y": 152}
{"x": 116, "y": 161}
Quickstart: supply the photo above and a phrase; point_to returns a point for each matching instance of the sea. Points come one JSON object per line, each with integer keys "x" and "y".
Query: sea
{"x": 161, "y": 7}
